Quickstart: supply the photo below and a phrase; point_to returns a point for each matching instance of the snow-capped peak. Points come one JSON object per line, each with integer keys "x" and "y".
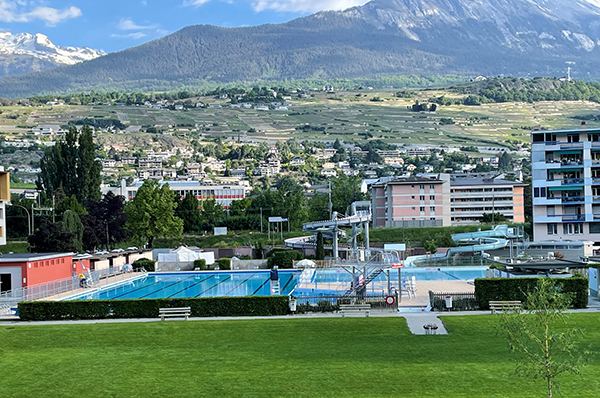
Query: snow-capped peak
{"x": 40, "y": 46}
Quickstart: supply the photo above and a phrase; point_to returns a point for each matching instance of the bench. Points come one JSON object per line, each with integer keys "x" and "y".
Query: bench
{"x": 355, "y": 309}
{"x": 504, "y": 305}
{"x": 174, "y": 313}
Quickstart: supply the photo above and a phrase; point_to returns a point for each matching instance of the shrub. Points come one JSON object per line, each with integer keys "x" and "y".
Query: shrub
{"x": 200, "y": 264}
{"x": 283, "y": 258}
{"x": 224, "y": 263}
{"x": 507, "y": 289}
{"x": 148, "y": 308}
{"x": 145, "y": 263}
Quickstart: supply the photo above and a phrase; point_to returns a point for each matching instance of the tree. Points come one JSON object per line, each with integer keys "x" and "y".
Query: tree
{"x": 430, "y": 246}
{"x": 104, "y": 225}
{"x": 151, "y": 213}
{"x": 52, "y": 238}
{"x": 71, "y": 165}
{"x": 345, "y": 190}
{"x": 72, "y": 223}
{"x": 212, "y": 213}
{"x": 188, "y": 210}
{"x": 505, "y": 161}
{"x": 320, "y": 253}
{"x": 488, "y": 218}
{"x": 543, "y": 348}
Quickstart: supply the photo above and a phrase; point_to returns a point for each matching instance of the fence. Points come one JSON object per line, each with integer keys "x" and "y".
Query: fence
{"x": 460, "y": 301}
{"x": 330, "y": 303}
{"x": 56, "y": 288}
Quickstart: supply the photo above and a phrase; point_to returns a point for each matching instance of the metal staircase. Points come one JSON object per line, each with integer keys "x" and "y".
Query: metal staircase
{"x": 370, "y": 278}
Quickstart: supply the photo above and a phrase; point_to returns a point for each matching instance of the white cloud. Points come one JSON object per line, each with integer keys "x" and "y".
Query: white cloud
{"x": 194, "y": 3}
{"x": 305, "y": 5}
{"x": 21, "y": 11}
{"x": 128, "y": 24}
{"x": 135, "y": 35}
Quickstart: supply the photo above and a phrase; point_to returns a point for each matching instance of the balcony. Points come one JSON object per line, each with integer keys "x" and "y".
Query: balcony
{"x": 571, "y": 145}
{"x": 572, "y": 199}
{"x": 571, "y": 181}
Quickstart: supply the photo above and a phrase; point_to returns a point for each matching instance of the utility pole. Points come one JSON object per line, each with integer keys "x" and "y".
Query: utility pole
{"x": 330, "y": 203}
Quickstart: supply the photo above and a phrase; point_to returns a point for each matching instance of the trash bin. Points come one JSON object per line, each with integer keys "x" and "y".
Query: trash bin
{"x": 293, "y": 305}
{"x": 448, "y": 300}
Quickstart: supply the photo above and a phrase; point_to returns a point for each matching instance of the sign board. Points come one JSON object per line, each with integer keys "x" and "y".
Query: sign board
{"x": 220, "y": 230}
{"x": 395, "y": 246}
{"x": 397, "y": 265}
{"x": 277, "y": 219}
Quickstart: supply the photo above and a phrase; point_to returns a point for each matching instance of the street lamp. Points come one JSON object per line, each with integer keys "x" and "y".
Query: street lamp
{"x": 28, "y": 215}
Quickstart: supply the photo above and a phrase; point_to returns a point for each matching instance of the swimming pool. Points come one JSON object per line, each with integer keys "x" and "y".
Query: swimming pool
{"x": 194, "y": 284}
{"x": 420, "y": 274}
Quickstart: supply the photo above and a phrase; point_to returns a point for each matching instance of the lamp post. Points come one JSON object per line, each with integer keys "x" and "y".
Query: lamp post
{"x": 28, "y": 215}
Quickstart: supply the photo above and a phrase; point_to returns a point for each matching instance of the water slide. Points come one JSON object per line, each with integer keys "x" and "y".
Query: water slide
{"x": 359, "y": 218}
{"x": 472, "y": 242}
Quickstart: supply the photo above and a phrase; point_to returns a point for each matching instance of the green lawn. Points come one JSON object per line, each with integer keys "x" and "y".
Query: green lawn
{"x": 335, "y": 357}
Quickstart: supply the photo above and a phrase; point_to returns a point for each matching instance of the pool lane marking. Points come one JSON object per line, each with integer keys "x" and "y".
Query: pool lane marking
{"x": 190, "y": 286}
{"x": 140, "y": 288}
{"x": 239, "y": 284}
{"x": 261, "y": 286}
{"x": 213, "y": 286}
{"x": 288, "y": 282}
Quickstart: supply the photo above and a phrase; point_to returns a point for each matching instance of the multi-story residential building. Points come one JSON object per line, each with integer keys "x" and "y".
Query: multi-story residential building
{"x": 421, "y": 201}
{"x": 439, "y": 200}
{"x": 149, "y": 164}
{"x": 223, "y": 194}
{"x": 566, "y": 184}
{"x": 471, "y": 197}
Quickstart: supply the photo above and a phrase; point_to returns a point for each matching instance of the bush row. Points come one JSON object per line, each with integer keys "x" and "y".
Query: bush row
{"x": 148, "y": 308}
{"x": 282, "y": 258}
{"x": 508, "y": 289}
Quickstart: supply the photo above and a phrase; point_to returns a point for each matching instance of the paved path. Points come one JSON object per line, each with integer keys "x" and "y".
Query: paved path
{"x": 417, "y": 320}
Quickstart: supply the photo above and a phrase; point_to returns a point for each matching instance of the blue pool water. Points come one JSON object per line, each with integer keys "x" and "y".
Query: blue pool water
{"x": 195, "y": 284}
{"x": 420, "y": 274}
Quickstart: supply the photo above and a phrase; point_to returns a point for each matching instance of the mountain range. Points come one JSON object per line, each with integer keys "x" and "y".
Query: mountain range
{"x": 24, "y": 53}
{"x": 383, "y": 37}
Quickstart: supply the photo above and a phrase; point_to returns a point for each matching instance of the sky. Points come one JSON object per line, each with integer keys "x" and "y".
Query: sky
{"x": 114, "y": 25}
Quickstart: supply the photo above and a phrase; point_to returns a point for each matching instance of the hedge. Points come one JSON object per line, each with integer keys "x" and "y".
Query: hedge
{"x": 145, "y": 263}
{"x": 148, "y": 308}
{"x": 283, "y": 258}
{"x": 507, "y": 289}
{"x": 224, "y": 263}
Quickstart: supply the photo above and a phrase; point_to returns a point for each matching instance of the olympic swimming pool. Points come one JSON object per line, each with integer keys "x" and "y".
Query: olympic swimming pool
{"x": 256, "y": 283}
{"x": 194, "y": 284}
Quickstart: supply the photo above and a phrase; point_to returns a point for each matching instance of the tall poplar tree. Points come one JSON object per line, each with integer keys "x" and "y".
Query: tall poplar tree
{"x": 71, "y": 165}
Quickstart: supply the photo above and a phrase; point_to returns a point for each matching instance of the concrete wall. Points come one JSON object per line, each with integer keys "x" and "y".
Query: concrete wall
{"x": 248, "y": 264}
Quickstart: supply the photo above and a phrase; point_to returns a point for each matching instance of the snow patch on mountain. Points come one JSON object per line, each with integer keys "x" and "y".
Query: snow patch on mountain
{"x": 40, "y": 46}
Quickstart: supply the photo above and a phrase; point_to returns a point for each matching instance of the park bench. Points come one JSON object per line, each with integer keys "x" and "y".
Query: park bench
{"x": 174, "y": 313}
{"x": 504, "y": 305}
{"x": 355, "y": 309}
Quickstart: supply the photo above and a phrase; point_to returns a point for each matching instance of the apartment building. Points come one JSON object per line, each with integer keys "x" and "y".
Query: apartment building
{"x": 437, "y": 200}
{"x": 566, "y": 184}
{"x": 471, "y": 197}
{"x": 422, "y": 201}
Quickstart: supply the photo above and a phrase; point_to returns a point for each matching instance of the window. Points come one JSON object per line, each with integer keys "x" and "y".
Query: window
{"x": 572, "y": 229}
{"x": 422, "y": 208}
{"x": 413, "y": 196}
{"x": 413, "y": 208}
{"x": 431, "y": 186}
{"x": 422, "y": 197}
{"x": 550, "y": 210}
{"x": 543, "y": 192}
{"x": 595, "y": 228}
{"x": 536, "y": 192}
{"x": 421, "y": 186}
{"x": 431, "y": 197}
{"x": 432, "y": 209}
{"x": 552, "y": 229}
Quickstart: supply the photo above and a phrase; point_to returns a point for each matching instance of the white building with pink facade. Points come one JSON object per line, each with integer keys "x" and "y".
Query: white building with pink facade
{"x": 422, "y": 201}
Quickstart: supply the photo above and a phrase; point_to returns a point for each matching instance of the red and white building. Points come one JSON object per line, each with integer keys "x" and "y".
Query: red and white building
{"x": 28, "y": 269}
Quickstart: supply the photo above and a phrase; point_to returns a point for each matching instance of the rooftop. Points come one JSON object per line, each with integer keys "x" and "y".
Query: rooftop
{"x": 7, "y": 258}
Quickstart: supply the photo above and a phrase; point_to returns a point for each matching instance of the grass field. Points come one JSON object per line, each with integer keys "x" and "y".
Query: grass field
{"x": 329, "y": 357}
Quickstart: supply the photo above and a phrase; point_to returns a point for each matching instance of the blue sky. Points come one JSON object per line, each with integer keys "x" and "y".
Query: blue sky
{"x": 113, "y": 25}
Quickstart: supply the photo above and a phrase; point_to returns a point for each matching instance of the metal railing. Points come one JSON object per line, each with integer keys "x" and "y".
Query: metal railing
{"x": 460, "y": 301}
{"x": 59, "y": 288}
